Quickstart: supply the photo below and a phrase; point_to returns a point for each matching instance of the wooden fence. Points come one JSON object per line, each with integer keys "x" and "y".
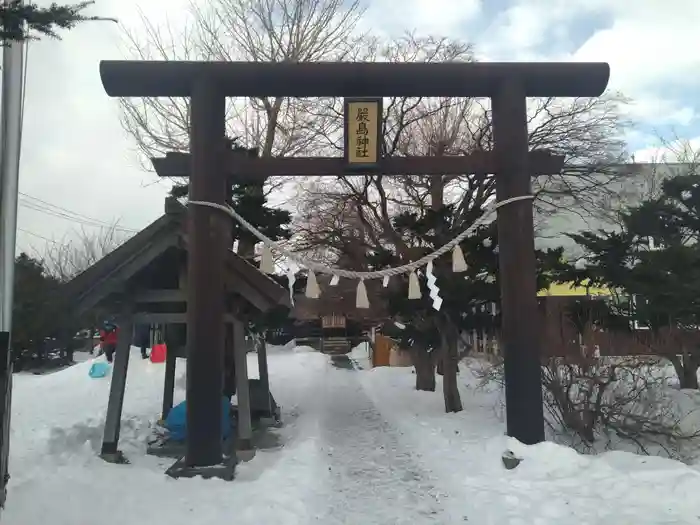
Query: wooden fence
{"x": 563, "y": 337}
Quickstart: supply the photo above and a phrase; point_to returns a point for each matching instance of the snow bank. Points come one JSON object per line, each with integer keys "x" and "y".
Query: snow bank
{"x": 552, "y": 483}
{"x": 57, "y": 425}
{"x": 361, "y": 355}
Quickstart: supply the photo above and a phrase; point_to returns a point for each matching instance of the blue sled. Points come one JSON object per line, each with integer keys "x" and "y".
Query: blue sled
{"x": 99, "y": 369}
{"x": 176, "y": 422}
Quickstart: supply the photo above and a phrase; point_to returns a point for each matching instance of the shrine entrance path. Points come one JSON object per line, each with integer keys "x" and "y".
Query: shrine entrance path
{"x": 370, "y": 475}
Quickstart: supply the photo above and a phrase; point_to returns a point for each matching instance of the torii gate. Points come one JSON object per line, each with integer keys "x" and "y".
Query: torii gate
{"x": 208, "y": 84}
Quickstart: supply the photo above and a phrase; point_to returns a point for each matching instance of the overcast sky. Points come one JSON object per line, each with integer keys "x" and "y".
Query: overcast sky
{"x": 77, "y": 157}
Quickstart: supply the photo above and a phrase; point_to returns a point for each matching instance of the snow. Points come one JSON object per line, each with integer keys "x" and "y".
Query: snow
{"x": 552, "y": 483}
{"x": 356, "y": 447}
{"x": 360, "y": 355}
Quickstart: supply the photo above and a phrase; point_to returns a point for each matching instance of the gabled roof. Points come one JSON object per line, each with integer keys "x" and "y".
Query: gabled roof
{"x": 115, "y": 271}
{"x": 109, "y": 274}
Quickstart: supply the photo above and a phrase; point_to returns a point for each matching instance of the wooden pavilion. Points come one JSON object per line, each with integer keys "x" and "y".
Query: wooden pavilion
{"x": 144, "y": 282}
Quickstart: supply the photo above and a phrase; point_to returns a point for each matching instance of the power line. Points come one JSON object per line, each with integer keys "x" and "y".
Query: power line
{"x": 62, "y": 209}
{"x": 37, "y": 235}
{"x": 60, "y": 212}
{"x": 62, "y": 215}
{"x": 66, "y": 213}
{"x": 70, "y": 218}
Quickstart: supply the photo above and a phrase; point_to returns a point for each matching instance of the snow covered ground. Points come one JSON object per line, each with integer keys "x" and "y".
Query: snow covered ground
{"x": 357, "y": 447}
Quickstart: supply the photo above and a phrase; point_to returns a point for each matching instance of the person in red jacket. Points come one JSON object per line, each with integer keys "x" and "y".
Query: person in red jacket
{"x": 108, "y": 339}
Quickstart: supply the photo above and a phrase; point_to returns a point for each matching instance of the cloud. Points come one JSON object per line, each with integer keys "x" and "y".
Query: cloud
{"x": 77, "y": 156}
{"x": 679, "y": 150}
{"x": 75, "y": 153}
{"x": 519, "y": 31}
{"x": 434, "y": 17}
{"x": 650, "y": 46}
{"x": 661, "y": 111}
{"x": 652, "y": 54}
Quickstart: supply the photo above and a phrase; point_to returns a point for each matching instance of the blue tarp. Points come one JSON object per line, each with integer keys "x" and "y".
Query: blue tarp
{"x": 176, "y": 422}
{"x": 99, "y": 369}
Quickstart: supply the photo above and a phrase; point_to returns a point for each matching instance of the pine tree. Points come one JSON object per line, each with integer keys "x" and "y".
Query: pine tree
{"x": 27, "y": 21}
{"x": 253, "y": 207}
{"x": 655, "y": 258}
{"x": 33, "y": 318}
{"x": 272, "y": 222}
{"x": 438, "y": 331}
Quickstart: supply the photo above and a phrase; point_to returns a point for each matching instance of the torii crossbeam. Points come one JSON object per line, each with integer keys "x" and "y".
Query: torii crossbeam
{"x": 246, "y": 170}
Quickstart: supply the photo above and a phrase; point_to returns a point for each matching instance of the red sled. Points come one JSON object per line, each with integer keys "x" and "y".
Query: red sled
{"x": 158, "y": 353}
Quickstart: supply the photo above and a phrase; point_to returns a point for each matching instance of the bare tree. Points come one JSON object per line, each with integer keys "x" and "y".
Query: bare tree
{"x": 411, "y": 126}
{"x": 608, "y": 402}
{"x": 587, "y": 132}
{"x": 249, "y": 30}
{"x": 65, "y": 259}
{"x": 353, "y": 215}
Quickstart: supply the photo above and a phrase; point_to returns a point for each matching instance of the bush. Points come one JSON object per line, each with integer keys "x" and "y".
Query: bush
{"x": 614, "y": 403}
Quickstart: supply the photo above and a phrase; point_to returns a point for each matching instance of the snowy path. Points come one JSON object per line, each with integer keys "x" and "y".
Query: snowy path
{"x": 357, "y": 447}
{"x": 372, "y": 477}
{"x": 339, "y": 460}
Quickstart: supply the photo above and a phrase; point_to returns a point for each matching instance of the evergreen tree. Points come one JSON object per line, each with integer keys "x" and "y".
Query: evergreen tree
{"x": 655, "y": 258}
{"x": 437, "y": 332}
{"x": 253, "y": 207}
{"x": 273, "y": 222}
{"x": 32, "y": 314}
{"x": 22, "y": 22}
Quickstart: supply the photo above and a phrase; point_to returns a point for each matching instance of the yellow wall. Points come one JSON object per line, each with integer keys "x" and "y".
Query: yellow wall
{"x": 568, "y": 289}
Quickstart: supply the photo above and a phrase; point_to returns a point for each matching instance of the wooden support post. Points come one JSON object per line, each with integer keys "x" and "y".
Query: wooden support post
{"x": 208, "y": 243}
{"x": 229, "y": 362}
{"x": 170, "y": 365}
{"x": 244, "y": 423}
{"x": 110, "y": 440}
{"x": 264, "y": 375}
{"x": 519, "y": 325}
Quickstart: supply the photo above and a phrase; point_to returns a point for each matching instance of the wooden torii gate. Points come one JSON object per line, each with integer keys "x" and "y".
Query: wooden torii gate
{"x": 209, "y": 166}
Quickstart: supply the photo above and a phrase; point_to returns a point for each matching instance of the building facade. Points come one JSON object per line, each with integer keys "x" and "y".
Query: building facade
{"x": 627, "y": 186}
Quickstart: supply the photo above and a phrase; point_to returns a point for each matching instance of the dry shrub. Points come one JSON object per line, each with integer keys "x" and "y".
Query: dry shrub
{"x": 605, "y": 403}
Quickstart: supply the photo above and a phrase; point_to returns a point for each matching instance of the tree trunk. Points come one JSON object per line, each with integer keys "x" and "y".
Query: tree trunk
{"x": 686, "y": 368}
{"x": 450, "y": 360}
{"x": 425, "y": 369}
{"x": 440, "y": 369}
{"x": 690, "y": 371}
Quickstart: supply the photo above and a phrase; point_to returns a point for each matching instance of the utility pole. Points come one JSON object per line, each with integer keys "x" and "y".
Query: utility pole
{"x": 10, "y": 142}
